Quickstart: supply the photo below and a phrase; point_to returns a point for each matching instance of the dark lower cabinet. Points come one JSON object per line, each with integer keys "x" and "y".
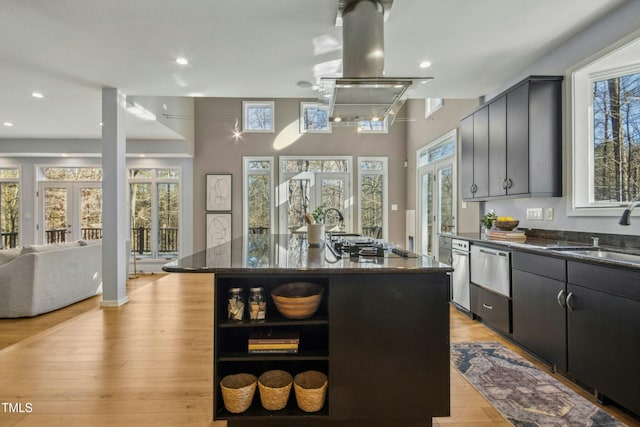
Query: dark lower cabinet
{"x": 538, "y": 298}
{"x": 492, "y": 308}
{"x": 604, "y": 331}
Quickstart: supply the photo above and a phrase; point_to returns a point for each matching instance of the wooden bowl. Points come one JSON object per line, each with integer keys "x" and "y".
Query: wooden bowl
{"x": 297, "y": 300}
{"x": 506, "y": 225}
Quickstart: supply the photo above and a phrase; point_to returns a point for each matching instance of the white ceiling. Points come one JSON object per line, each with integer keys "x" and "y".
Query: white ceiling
{"x": 69, "y": 49}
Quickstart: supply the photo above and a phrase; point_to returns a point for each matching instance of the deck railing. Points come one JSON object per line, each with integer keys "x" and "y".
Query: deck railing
{"x": 9, "y": 240}
{"x": 140, "y": 238}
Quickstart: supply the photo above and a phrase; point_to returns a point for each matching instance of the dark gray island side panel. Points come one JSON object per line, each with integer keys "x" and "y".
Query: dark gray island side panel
{"x": 389, "y": 341}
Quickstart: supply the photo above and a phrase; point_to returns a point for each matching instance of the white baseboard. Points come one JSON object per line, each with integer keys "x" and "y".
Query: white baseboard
{"x": 114, "y": 303}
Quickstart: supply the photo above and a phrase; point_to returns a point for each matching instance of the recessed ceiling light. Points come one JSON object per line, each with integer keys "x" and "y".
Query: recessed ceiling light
{"x": 182, "y": 61}
{"x": 425, "y": 64}
{"x": 37, "y": 95}
{"x": 101, "y": 124}
{"x": 8, "y": 124}
{"x": 337, "y": 119}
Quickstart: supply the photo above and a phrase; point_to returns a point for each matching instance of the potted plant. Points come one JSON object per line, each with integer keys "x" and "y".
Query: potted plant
{"x": 488, "y": 219}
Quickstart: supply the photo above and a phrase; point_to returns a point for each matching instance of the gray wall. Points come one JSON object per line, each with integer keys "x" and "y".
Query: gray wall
{"x": 216, "y": 151}
{"x": 618, "y": 25}
{"x": 421, "y": 132}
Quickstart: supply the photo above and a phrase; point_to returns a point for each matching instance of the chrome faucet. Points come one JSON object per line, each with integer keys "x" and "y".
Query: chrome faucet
{"x": 625, "y": 218}
{"x": 340, "y": 216}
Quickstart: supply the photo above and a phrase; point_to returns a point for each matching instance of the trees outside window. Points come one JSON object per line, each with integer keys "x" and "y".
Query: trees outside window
{"x": 9, "y": 207}
{"x": 258, "y": 116}
{"x": 616, "y": 138}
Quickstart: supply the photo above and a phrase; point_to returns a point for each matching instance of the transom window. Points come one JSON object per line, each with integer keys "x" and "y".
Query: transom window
{"x": 70, "y": 174}
{"x": 257, "y": 116}
{"x": 314, "y": 118}
{"x": 374, "y": 126}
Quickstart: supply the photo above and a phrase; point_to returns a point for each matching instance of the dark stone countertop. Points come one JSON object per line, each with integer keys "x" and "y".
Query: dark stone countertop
{"x": 557, "y": 245}
{"x": 263, "y": 253}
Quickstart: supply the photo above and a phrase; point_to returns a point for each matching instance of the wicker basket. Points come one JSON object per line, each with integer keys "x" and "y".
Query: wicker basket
{"x": 275, "y": 387}
{"x": 297, "y": 300}
{"x": 238, "y": 391}
{"x": 311, "y": 389}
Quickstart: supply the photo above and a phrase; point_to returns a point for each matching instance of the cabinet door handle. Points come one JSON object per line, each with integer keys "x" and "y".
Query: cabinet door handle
{"x": 560, "y": 298}
{"x": 473, "y": 188}
{"x": 487, "y": 306}
{"x": 569, "y": 301}
{"x": 504, "y": 184}
{"x": 450, "y": 259}
{"x": 509, "y": 183}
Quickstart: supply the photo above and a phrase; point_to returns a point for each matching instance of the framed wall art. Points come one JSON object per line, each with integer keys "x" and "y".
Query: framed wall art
{"x": 218, "y": 197}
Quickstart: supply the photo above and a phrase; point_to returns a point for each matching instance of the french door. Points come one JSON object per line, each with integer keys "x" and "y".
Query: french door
{"x": 69, "y": 211}
{"x": 436, "y": 188}
{"x": 305, "y": 191}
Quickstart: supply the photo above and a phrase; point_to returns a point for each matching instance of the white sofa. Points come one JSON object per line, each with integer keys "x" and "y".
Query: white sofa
{"x": 41, "y": 278}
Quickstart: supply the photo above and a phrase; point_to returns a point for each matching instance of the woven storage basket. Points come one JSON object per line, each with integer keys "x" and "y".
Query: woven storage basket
{"x": 238, "y": 391}
{"x": 311, "y": 389}
{"x": 275, "y": 387}
{"x": 297, "y": 300}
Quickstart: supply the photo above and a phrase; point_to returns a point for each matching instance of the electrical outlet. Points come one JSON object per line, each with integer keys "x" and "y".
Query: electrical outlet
{"x": 548, "y": 214}
{"x": 534, "y": 213}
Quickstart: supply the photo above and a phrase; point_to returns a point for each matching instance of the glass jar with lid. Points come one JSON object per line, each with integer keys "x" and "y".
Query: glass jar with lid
{"x": 235, "y": 307}
{"x": 257, "y": 303}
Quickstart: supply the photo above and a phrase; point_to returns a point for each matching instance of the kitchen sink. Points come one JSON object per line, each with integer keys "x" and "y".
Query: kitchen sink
{"x": 604, "y": 254}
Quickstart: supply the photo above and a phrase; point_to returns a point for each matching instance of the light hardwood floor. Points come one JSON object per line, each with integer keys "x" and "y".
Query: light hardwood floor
{"x": 149, "y": 362}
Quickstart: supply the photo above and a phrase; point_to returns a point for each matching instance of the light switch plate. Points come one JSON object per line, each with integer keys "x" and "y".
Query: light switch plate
{"x": 534, "y": 213}
{"x": 548, "y": 214}
{"x": 394, "y": 207}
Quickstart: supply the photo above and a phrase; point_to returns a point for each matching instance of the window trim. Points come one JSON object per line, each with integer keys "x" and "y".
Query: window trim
{"x": 579, "y": 134}
{"x": 245, "y": 124}
{"x": 385, "y": 190}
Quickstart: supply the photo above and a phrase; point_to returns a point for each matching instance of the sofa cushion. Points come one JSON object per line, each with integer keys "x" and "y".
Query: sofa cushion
{"x": 31, "y": 249}
{"x": 7, "y": 255}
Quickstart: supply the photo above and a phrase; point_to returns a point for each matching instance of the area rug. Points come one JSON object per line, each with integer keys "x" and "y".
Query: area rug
{"x": 523, "y": 394}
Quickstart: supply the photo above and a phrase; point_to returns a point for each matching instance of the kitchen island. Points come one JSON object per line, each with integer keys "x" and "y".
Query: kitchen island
{"x": 381, "y": 332}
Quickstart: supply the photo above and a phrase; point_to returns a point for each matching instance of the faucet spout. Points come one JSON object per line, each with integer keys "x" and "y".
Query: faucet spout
{"x": 625, "y": 218}
{"x": 340, "y": 216}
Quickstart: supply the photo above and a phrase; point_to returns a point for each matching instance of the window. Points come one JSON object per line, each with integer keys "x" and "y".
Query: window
{"x": 311, "y": 182}
{"x": 372, "y": 179}
{"x": 314, "y": 118}
{"x": 605, "y": 150}
{"x": 616, "y": 138}
{"x": 9, "y": 207}
{"x": 431, "y": 106}
{"x": 258, "y": 116}
{"x": 374, "y": 126}
{"x": 155, "y": 212}
{"x": 258, "y": 214}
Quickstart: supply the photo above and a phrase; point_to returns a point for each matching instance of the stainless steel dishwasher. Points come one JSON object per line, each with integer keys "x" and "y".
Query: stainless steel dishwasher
{"x": 460, "y": 275}
{"x": 490, "y": 268}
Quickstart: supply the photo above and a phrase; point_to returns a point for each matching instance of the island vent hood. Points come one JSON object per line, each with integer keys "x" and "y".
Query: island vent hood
{"x": 364, "y": 93}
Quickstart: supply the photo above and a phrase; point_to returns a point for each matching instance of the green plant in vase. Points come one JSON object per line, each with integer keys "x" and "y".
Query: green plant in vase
{"x": 318, "y": 215}
{"x": 487, "y": 219}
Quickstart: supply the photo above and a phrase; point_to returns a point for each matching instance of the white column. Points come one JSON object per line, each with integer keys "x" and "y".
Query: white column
{"x": 114, "y": 195}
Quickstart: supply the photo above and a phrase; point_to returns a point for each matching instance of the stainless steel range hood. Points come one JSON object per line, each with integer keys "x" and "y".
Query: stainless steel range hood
{"x": 363, "y": 93}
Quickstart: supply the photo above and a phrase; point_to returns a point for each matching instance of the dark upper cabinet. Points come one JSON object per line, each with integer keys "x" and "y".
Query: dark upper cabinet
{"x": 474, "y": 137}
{"x": 498, "y": 146}
{"x": 516, "y": 146}
{"x": 466, "y": 157}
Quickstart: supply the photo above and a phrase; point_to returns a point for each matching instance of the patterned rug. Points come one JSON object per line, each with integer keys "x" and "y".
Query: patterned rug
{"x": 524, "y": 395}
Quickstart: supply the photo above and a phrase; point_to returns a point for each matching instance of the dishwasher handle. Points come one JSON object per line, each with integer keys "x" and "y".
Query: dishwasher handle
{"x": 494, "y": 252}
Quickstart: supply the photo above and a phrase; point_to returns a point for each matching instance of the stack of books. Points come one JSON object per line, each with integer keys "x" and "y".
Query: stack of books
{"x": 269, "y": 341}
{"x": 511, "y": 236}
